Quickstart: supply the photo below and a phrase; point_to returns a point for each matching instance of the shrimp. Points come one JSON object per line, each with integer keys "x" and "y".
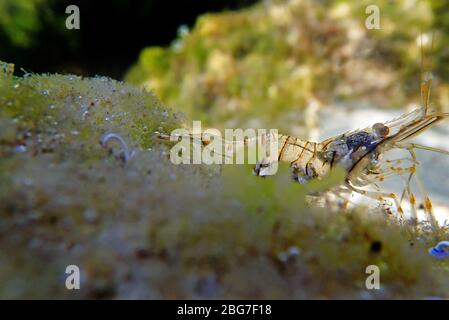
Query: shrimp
{"x": 362, "y": 155}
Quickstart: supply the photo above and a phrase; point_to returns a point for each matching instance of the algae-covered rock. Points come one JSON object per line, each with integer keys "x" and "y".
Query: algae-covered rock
{"x": 146, "y": 228}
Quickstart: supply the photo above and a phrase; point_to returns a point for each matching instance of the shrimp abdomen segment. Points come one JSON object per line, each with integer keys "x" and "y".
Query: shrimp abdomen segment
{"x": 302, "y": 155}
{"x": 292, "y": 149}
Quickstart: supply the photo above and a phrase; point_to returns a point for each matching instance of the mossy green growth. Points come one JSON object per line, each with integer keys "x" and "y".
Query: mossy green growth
{"x": 151, "y": 229}
{"x": 19, "y": 20}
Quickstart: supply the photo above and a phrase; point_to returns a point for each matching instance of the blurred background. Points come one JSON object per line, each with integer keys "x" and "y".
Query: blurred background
{"x": 33, "y": 33}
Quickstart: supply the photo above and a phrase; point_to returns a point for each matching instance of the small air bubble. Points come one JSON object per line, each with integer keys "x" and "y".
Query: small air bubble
{"x": 20, "y": 149}
{"x": 90, "y": 215}
{"x": 27, "y": 182}
{"x": 283, "y": 257}
{"x": 293, "y": 251}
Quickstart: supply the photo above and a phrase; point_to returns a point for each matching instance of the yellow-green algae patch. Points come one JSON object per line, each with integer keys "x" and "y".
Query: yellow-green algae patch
{"x": 150, "y": 229}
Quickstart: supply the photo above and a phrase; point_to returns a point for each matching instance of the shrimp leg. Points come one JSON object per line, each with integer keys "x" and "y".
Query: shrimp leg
{"x": 427, "y": 202}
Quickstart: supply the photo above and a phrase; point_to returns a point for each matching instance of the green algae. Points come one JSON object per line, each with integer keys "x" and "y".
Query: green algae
{"x": 151, "y": 229}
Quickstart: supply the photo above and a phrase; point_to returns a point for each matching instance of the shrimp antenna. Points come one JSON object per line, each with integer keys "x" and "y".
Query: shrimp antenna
{"x": 426, "y": 76}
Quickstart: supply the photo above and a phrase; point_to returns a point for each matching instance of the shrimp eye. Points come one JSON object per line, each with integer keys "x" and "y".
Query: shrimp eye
{"x": 380, "y": 130}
